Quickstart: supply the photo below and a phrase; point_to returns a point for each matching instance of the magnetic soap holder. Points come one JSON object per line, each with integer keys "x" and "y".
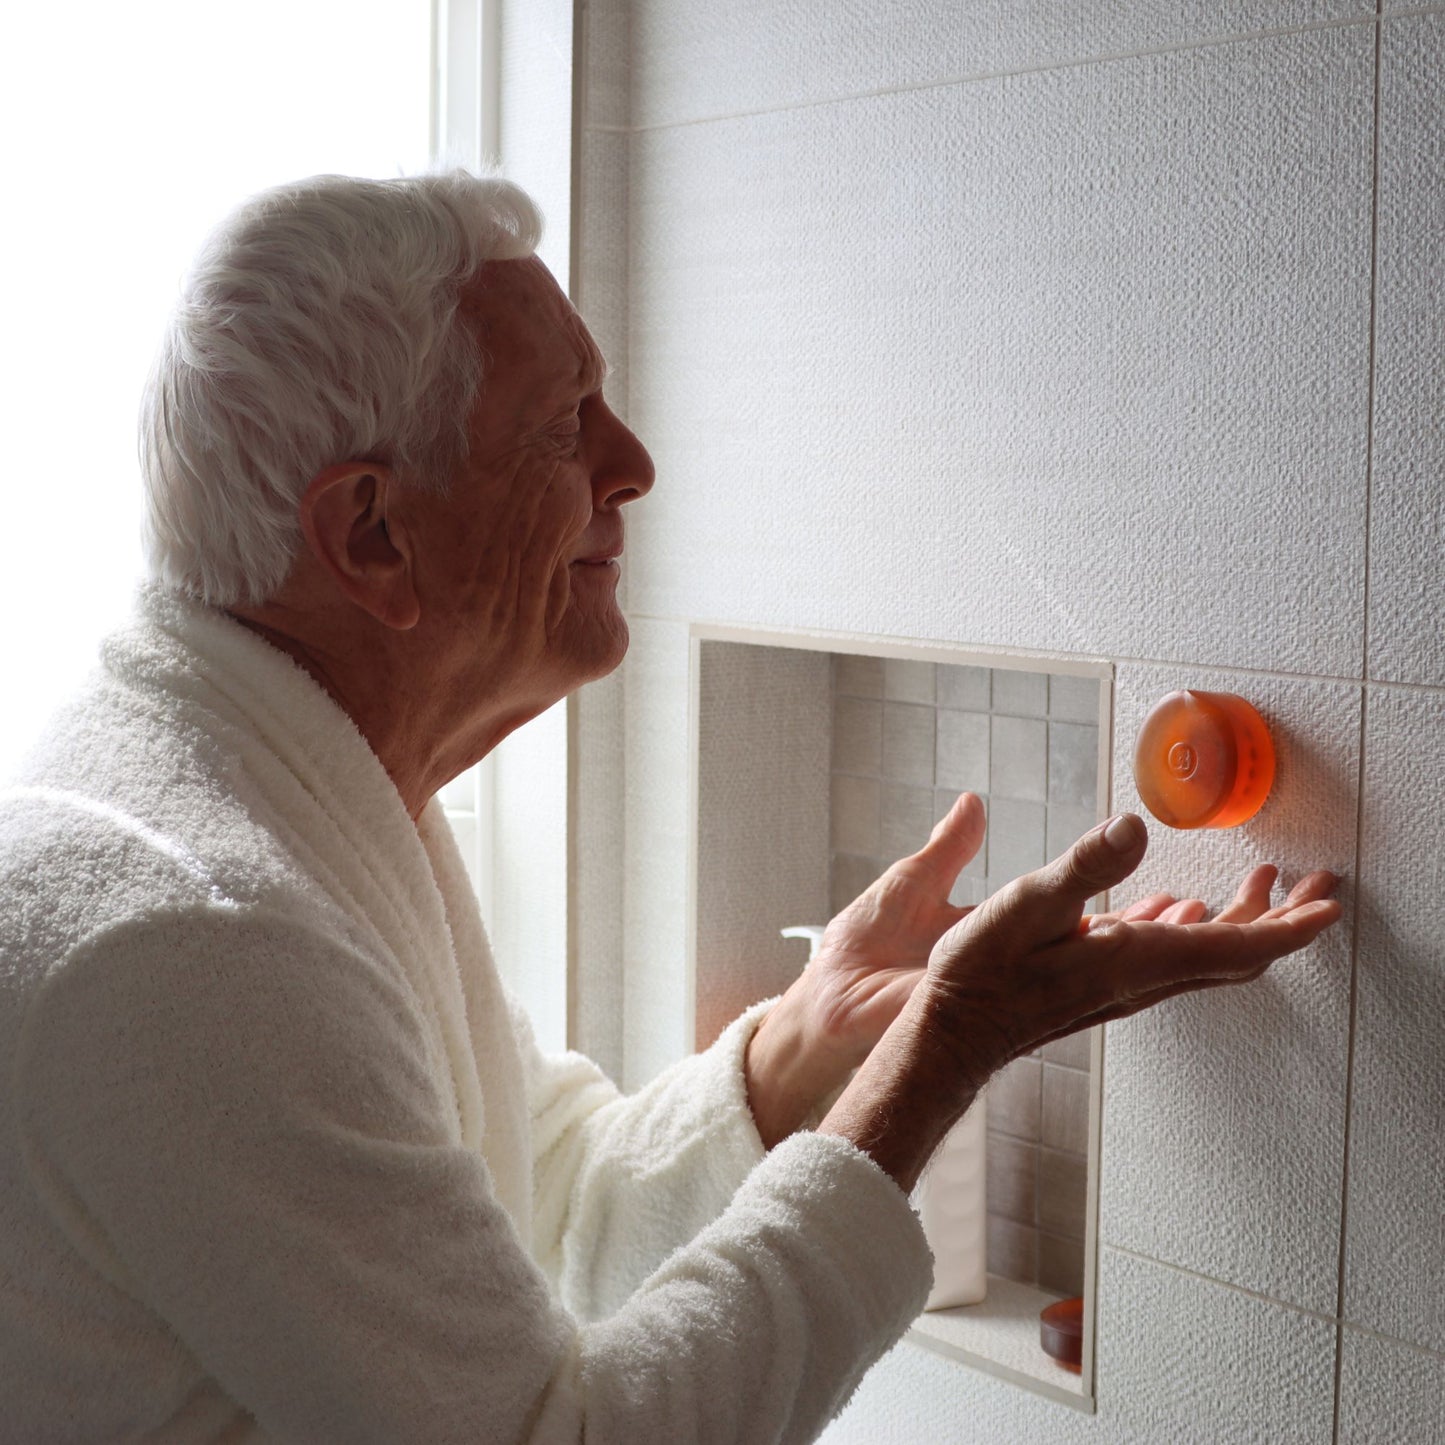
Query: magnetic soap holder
{"x": 1203, "y": 760}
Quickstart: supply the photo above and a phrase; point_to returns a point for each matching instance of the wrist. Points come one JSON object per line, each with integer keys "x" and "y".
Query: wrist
{"x": 909, "y": 1092}
{"x": 791, "y": 1067}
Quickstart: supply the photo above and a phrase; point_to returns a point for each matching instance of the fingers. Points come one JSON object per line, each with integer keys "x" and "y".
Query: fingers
{"x": 1147, "y": 958}
{"x": 1189, "y": 910}
{"x": 955, "y": 839}
{"x": 1252, "y": 899}
{"x": 1145, "y": 908}
{"x": 1310, "y": 889}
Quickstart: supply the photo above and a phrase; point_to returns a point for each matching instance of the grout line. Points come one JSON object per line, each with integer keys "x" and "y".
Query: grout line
{"x": 1395, "y": 1340}
{"x": 982, "y": 76}
{"x": 1364, "y": 719}
{"x": 1220, "y": 1283}
{"x": 1044, "y": 656}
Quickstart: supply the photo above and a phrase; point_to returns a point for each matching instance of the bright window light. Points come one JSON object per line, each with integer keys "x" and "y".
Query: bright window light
{"x": 132, "y": 130}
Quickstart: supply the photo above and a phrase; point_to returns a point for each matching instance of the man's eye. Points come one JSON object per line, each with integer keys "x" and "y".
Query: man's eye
{"x": 567, "y": 435}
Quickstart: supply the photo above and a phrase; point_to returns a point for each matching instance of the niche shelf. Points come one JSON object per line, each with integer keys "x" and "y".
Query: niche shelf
{"x": 818, "y": 758}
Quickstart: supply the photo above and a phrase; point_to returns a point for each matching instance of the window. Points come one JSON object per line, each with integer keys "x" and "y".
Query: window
{"x": 134, "y": 129}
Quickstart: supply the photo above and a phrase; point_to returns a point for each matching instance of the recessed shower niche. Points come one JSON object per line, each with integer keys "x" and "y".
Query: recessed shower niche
{"x": 814, "y": 765}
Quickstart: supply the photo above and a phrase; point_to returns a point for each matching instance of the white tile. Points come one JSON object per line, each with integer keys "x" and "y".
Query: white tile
{"x": 1013, "y": 1249}
{"x": 762, "y": 823}
{"x": 964, "y": 688}
{"x": 857, "y": 676}
{"x": 528, "y": 925}
{"x": 657, "y": 1021}
{"x": 1074, "y": 699}
{"x": 1013, "y": 1168}
{"x": 1073, "y": 764}
{"x": 1224, "y": 1111}
{"x": 1192, "y": 1360}
{"x": 907, "y": 680}
{"x": 1061, "y": 1264}
{"x": 600, "y": 283}
{"x": 1015, "y": 840}
{"x": 1020, "y": 694}
{"x": 857, "y": 735}
{"x": 1076, "y": 368}
{"x": 1407, "y": 497}
{"x": 605, "y": 61}
{"x": 1395, "y": 1241}
{"x": 1063, "y": 1189}
{"x": 597, "y": 857}
{"x": 906, "y": 819}
{"x": 1018, "y": 758}
{"x": 908, "y": 732}
{"x": 1390, "y": 1392}
{"x": 1065, "y": 1109}
{"x": 850, "y": 876}
{"x": 1071, "y": 1051}
{"x": 1015, "y": 1096}
{"x": 855, "y": 815}
{"x": 962, "y": 763}
{"x": 534, "y": 122}
{"x": 1066, "y": 825}
{"x": 1181, "y": 1359}
{"x": 694, "y": 60}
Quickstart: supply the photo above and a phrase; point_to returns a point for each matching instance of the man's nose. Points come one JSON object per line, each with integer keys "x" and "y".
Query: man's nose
{"x": 624, "y": 470}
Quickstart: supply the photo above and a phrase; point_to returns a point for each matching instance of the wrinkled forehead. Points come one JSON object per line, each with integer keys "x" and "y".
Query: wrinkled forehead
{"x": 522, "y": 315}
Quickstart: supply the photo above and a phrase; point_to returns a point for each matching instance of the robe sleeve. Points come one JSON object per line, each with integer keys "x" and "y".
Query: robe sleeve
{"x": 235, "y": 1119}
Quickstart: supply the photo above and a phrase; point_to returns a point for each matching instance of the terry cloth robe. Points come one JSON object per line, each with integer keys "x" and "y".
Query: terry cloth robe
{"x": 278, "y": 1161}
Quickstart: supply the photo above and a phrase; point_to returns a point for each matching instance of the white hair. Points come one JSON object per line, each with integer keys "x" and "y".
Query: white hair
{"x": 319, "y": 325}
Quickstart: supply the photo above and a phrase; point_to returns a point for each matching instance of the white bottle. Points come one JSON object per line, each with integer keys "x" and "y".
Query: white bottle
{"x": 952, "y": 1202}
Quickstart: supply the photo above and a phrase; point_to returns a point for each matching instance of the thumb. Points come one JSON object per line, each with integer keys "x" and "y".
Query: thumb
{"x": 1051, "y": 901}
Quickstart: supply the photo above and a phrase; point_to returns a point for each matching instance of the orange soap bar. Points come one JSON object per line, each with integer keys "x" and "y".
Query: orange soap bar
{"x": 1203, "y": 760}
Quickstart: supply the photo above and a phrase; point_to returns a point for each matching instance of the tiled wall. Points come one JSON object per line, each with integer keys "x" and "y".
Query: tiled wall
{"x": 1101, "y": 331}
{"x": 908, "y": 737}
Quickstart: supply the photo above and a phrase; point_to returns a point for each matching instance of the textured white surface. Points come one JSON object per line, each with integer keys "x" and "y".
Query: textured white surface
{"x": 1395, "y": 1245}
{"x": 1181, "y": 1360}
{"x": 535, "y": 117}
{"x": 1407, "y": 499}
{"x": 529, "y": 878}
{"x": 600, "y": 291}
{"x": 657, "y": 1017}
{"x": 1390, "y": 1393}
{"x": 762, "y": 821}
{"x": 1034, "y": 362}
{"x": 1079, "y": 361}
{"x": 1224, "y": 1112}
{"x": 1018, "y": 763}
{"x": 596, "y": 859}
{"x": 607, "y": 47}
{"x": 1003, "y": 1329}
{"x": 698, "y": 60}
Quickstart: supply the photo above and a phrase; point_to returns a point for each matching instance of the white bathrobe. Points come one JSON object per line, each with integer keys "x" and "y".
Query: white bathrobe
{"x": 279, "y": 1162}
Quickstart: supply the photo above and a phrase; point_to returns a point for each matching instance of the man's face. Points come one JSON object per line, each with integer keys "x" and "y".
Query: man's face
{"x": 519, "y": 558}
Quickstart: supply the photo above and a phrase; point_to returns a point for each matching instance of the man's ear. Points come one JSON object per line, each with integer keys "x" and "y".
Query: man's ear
{"x": 344, "y": 518}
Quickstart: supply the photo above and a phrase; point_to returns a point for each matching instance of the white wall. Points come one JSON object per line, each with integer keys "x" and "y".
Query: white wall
{"x": 1093, "y": 330}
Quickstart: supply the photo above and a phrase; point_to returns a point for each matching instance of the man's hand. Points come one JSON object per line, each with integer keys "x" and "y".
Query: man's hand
{"x": 1024, "y": 967}
{"x": 869, "y": 961}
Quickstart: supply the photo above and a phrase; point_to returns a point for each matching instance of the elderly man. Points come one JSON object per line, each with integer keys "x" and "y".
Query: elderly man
{"x": 278, "y": 1160}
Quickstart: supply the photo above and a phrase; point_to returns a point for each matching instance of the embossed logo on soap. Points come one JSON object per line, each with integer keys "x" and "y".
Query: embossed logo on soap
{"x": 1183, "y": 760}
